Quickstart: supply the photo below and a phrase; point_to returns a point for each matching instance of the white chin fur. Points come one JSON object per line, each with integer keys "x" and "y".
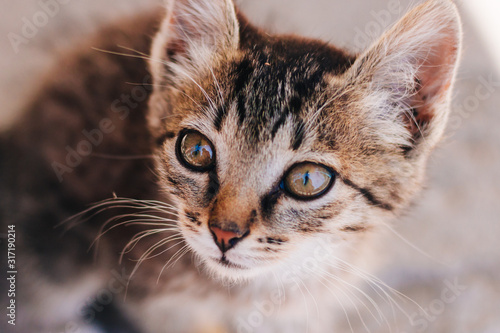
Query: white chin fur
{"x": 226, "y": 274}
{"x": 230, "y": 274}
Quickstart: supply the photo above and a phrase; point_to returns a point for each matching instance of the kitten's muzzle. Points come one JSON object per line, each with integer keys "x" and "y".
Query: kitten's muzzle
{"x": 228, "y": 236}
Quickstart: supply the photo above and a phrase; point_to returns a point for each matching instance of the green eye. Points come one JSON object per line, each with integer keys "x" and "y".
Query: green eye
{"x": 196, "y": 151}
{"x": 308, "y": 180}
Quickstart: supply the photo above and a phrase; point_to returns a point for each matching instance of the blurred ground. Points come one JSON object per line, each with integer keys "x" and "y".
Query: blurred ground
{"x": 456, "y": 222}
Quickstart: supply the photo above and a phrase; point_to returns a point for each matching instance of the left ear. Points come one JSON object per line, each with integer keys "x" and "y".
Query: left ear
{"x": 193, "y": 35}
{"x": 408, "y": 74}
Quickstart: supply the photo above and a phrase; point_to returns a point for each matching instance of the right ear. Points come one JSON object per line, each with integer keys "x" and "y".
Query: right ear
{"x": 407, "y": 76}
{"x": 193, "y": 35}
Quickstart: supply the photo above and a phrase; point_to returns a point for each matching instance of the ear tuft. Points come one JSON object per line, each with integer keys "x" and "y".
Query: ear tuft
{"x": 408, "y": 73}
{"x": 193, "y": 35}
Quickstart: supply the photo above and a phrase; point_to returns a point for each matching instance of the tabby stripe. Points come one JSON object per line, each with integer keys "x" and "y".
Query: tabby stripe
{"x": 192, "y": 217}
{"x": 368, "y": 195}
{"x": 219, "y": 118}
{"x": 293, "y": 107}
{"x": 268, "y": 202}
{"x": 279, "y": 123}
{"x": 182, "y": 183}
{"x": 243, "y": 73}
{"x": 172, "y": 181}
{"x": 298, "y": 136}
{"x": 213, "y": 186}
{"x": 241, "y": 109}
{"x": 295, "y": 104}
{"x": 353, "y": 228}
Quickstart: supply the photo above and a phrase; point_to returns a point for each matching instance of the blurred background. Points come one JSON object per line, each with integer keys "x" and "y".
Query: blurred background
{"x": 445, "y": 254}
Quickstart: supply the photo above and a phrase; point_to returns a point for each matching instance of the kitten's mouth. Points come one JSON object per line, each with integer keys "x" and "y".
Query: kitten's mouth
{"x": 226, "y": 263}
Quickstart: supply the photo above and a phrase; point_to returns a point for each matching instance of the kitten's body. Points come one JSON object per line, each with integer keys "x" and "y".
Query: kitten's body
{"x": 274, "y": 78}
{"x": 76, "y": 96}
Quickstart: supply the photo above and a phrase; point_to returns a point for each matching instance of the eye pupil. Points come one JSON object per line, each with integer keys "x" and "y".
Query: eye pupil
{"x": 197, "y": 149}
{"x": 306, "y": 178}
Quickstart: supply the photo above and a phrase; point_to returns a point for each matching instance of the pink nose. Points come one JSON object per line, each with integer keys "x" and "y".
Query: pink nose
{"x": 226, "y": 239}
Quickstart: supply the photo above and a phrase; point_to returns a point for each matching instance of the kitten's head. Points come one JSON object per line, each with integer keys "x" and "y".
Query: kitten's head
{"x": 271, "y": 144}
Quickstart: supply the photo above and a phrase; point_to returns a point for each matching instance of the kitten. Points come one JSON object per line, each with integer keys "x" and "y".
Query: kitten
{"x": 239, "y": 176}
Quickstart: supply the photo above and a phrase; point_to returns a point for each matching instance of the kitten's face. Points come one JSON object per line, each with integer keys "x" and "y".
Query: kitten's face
{"x": 275, "y": 144}
{"x": 266, "y": 154}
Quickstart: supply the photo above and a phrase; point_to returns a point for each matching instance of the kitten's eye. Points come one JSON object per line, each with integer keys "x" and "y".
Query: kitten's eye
{"x": 196, "y": 151}
{"x": 308, "y": 180}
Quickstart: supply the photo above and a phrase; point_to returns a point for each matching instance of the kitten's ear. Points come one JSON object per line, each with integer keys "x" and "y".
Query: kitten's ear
{"x": 409, "y": 72}
{"x": 193, "y": 35}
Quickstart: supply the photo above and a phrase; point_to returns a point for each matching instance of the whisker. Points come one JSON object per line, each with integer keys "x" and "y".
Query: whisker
{"x": 312, "y": 296}
{"x": 379, "y": 283}
{"x": 148, "y": 254}
{"x": 341, "y": 290}
{"x": 281, "y": 289}
{"x": 123, "y": 54}
{"x": 305, "y": 303}
{"x": 133, "y": 50}
{"x": 340, "y": 303}
{"x": 139, "y": 236}
{"x": 136, "y": 238}
{"x": 370, "y": 283}
{"x": 374, "y": 286}
{"x": 186, "y": 250}
{"x": 115, "y": 203}
{"x": 413, "y": 246}
{"x": 185, "y": 247}
{"x": 137, "y": 265}
{"x": 373, "y": 303}
{"x": 103, "y": 231}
